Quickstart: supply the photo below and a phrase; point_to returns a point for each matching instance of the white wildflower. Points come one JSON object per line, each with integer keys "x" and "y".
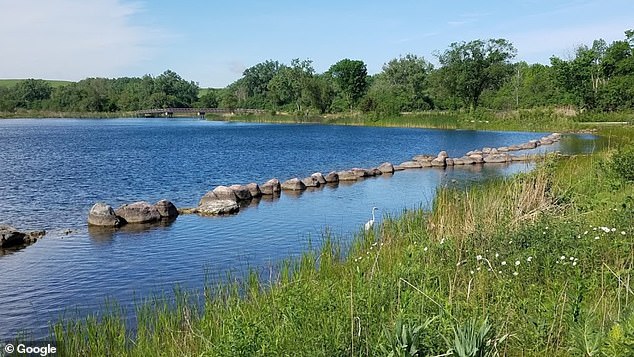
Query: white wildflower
{"x": 425, "y": 249}
{"x": 504, "y": 262}
{"x": 596, "y": 238}
{"x": 497, "y": 255}
{"x": 529, "y": 259}
{"x": 472, "y": 272}
{"x": 574, "y": 263}
{"x": 586, "y": 232}
{"x": 613, "y": 229}
{"x": 572, "y": 258}
{"x": 622, "y": 233}
{"x": 478, "y": 257}
{"x": 562, "y": 257}
{"x": 517, "y": 262}
{"x": 605, "y": 229}
{"x": 515, "y": 273}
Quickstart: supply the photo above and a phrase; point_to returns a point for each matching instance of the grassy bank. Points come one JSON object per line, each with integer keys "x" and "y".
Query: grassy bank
{"x": 535, "y": 265}
{"x": 522, "y": 120}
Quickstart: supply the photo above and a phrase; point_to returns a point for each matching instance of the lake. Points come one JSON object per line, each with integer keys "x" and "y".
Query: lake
{"x": 53, "y": 170}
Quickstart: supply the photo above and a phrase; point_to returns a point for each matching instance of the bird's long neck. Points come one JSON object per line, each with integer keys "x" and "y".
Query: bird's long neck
{"x": 373, "y": 215}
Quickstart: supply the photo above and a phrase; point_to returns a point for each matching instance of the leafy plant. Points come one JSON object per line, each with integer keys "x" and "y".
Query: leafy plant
{"x": 475, "y": 339}
{"x": 623, "y": 163}
{"x": 405, "y": 340}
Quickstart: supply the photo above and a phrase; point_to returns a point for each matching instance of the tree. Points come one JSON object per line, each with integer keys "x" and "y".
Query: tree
{"x": 403, "y": 82}
{"x": 471, "y": 67}
{"x": 287, "y": 86}
{"x": 170, "y": 90}
{"x": 350, "y": 78}
{"x": 31, "y": 92}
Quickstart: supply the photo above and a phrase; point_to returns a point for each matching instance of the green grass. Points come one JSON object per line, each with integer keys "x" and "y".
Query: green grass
{"x": 12, "y": 82}
{"x": 536, "y": 265}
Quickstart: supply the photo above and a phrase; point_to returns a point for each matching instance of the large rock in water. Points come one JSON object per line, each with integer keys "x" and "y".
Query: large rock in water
{"x": 103, "y": 215}
{"x": 166, "y": 209}
{"x": 271, "y": 187}
{"x": 319, "y": 177}
{"x": 360, "y": 172}
{"x": 217, "y": 208}
{"x": 219, "y": 193}
{"x": 242, "y": 192}
{"x": 138, "y": 212}
{"x": 254, "y": 189}
{"x": 332, "y": 177}
{"x": 410, "y": 165}
{"x": 347, "y": 175}
{"x": 11, "y": 237}
{"x": 497, "y": 158}
{"x": 311, "y": 181}
{"x": 386, "y": 168}
{"x": 293, "y": 184}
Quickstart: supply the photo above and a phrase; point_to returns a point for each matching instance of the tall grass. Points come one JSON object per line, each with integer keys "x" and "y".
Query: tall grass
{"x": 536, "y": 265}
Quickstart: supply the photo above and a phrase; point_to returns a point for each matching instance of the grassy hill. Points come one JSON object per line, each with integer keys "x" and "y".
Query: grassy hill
{"x": 12, "y": 82}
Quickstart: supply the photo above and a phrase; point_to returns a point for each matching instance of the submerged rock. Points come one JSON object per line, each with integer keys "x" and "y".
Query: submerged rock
{"x": 103, "y": 215}
{"x": 217, "y": 208}
{"x": 241, "y": 192}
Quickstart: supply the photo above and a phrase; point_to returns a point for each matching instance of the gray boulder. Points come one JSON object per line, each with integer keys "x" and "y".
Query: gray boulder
{"x": 10, "y": 237}
{"x": 497, "y": 158}
{"x": 332, "y": 177}
{"x": 386, "y": 168}
{"x": 423, "y": 158}
{"x": 503, "y": 149}
{"x": 138, "y": 212}
{"x": 457, "y": 161}
{"x": 477, "y": 158}
{"x": 293, "y": 184}
{"x": 319, "y": 177}
{"x": 311, "y": 181}
{"x": 347, "y": 175}
{"x": 103, "y": 215}
{"x": 375, "y": 172}
{"x": 359, "y": 172}
{"x": 166, "y": 209}
{"x": 219, "y": 193}
{"x": 529, "y": 145}
{"x": 254, "y": 189}
{"x": 410, "y": 165}
{"x": 242, "y": 192}
{"x": 271, "y": 187}
{"x": 217, "y": 207}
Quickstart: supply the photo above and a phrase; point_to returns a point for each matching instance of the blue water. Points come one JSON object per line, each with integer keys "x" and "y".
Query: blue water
{"x": 52, "y": 171}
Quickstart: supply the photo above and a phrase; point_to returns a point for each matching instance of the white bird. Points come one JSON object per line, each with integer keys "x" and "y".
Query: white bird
{"x": 369, "y": 224}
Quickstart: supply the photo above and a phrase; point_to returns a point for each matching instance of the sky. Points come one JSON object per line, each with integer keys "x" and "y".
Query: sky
{"x": 213, "y": 42}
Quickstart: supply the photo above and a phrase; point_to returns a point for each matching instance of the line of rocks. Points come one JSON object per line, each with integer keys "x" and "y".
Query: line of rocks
{"x": 224, "y": 200}
{"x": 103, "y": 215}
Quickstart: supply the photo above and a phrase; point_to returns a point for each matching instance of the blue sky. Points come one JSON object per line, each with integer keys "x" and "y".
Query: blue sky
{"x": 212, "y": 42}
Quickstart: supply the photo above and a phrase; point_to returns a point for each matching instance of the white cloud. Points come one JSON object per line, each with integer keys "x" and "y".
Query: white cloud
{"x": 71, "y": 39}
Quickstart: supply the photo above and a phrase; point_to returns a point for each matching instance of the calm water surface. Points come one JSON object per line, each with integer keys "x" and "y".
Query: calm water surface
{"x": 52, "y": 171}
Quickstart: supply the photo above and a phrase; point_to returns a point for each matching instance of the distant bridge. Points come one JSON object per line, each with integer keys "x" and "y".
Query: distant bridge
{"x": 169, "y": 112}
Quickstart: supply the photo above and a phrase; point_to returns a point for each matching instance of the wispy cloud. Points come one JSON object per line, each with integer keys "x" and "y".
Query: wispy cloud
{"x": 466, "y": 18}
{"x": 72, "y": 39}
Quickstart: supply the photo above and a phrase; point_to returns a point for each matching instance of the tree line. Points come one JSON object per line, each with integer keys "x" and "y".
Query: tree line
{"x": 479, "y": 73}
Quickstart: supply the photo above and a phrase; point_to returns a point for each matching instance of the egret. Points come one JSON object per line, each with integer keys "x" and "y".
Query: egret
{"x": 369, "y": 224}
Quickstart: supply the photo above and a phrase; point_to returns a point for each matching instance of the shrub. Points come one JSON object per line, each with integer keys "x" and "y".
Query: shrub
{"x": 623, "y": 163}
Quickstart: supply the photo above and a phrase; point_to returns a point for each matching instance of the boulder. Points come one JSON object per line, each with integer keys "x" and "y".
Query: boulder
{"x": 449, "y": 161}
{"x": 242, "y": 192}
{"x": 218, "y": 207}
{"x": 486, "y": 150}
{"x": 359, "y": 172}
{"x": 138, "y": 212}
{"x": 474, "y": 152}
{"x": 497, "y": 158}
{"x": 319, "y": 177}
{"x": 466, "y": 160}
{"x": 410, "y": 165}
{"x": 254, "y": 189}
{"x": 375, "y": 172}
{"x": 514, "y": 148}
{"x": 494, "y": 151}
{"x": 398, "y": 168}
{"x": 457, "y": 161}
{"x": 438, "y": 162}
{"x": 503, "y": 149}
{"x": 347, "y": 175}
{"x": 477, "y": 158}
{"x": 219, "y": 193}
{"x": 545, "y": 141}
{"x": 293, "y": 184}
{"x": 166, "y": 209}
{"x": 310, "y": 181}
{"x": 386, "y": 168}
{"x": 442, "y": 155}
{"x": 332, "y": 177}
{"x": 529, "y": 145}
{"x": 103, "y": 215}
{"x": 10, "y": 236}
{"x": 271, "y": 187}
{"x": 423, "y": 158}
